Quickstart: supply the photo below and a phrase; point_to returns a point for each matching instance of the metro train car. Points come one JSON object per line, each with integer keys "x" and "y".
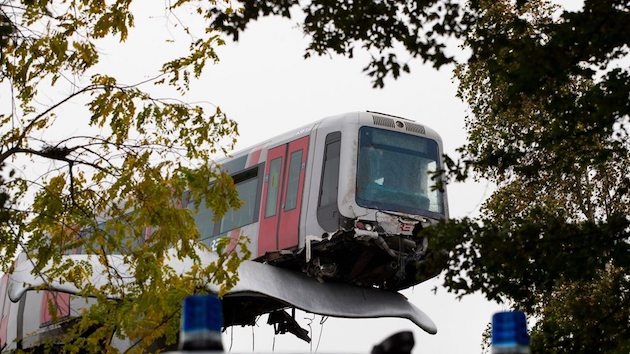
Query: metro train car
{"x": 341, "y": 199}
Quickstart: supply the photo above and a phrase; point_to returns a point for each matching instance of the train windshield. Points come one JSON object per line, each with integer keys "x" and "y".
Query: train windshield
{"x": 394, "y": 172}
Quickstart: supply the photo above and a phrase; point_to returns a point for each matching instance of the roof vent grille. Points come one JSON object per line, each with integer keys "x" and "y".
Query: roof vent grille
{"x": 416, "y": 128}
{"x": 386, "y": 122}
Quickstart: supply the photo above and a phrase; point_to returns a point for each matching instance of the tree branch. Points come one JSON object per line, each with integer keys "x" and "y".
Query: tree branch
{"x": 49, "y": 155}
{"x": 30, "y": 125}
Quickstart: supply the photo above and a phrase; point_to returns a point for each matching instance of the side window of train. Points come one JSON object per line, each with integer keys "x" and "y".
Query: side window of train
{"x": 248, "y": 191}
{"x": 327, "y": 209}
{"x": 248, "y": 184}
{"x": 274, "y": 184}
{"x": 204, "y": 218}
{"x": 295, "y": 166}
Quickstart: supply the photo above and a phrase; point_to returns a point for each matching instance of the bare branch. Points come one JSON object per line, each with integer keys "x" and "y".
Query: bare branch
{"x": 30, "y": 125}
{"x": 48, "y": 155}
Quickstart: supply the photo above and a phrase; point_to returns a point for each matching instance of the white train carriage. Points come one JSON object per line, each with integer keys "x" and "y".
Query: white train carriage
{"x": 340, "y": 199}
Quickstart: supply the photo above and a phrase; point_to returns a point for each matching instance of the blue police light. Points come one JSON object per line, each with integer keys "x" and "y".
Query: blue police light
{"x": 509, "y": 332}
{"x": 202, "y": 320}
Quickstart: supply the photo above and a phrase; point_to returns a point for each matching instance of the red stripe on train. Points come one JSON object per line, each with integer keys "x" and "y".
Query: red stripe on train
{"x": 4, "y": 310}
{"x": 234, "y": 235}
{"x": 253, "y": 157}
{"x": 61, "y": 303}
{"x": 4, "y": 326}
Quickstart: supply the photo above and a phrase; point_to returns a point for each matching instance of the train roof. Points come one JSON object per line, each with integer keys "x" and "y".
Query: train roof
{"x": 339, "y": 119}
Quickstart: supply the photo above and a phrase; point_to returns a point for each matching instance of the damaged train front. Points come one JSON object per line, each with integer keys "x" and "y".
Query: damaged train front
{"x": 388, "y": 194}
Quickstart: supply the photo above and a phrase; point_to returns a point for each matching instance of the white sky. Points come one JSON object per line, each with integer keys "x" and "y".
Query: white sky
{"x": 264, "y": 83}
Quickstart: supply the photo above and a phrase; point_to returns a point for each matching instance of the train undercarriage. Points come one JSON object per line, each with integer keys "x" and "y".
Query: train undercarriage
{"x": 388, "y": 253}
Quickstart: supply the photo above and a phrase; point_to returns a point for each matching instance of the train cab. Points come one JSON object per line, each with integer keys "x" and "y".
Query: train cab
{"x": 342, "y": 199}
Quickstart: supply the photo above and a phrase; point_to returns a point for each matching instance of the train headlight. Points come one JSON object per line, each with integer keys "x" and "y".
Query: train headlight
{"x": 363, "y": 226}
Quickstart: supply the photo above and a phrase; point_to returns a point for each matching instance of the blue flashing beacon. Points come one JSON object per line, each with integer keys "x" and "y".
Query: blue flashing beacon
{"x": 509, "y": 333}
{"x": 202, "y": 320}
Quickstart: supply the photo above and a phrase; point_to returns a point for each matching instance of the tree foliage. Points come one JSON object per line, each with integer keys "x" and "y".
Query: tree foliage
{"x": 586, "y": 316}
{"x": 103, "y": 190}
{"x": 549, "y": 97}
{"x": 549, "y": 101}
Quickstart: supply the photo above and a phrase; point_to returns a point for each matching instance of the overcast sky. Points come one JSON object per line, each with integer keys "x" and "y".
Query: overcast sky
{"x": 264, "y": 83}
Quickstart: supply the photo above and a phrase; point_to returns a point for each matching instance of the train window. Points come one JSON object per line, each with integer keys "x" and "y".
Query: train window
{"x": 394, "y": 172}
{"x": 247, "y": 191}
{"x": 273, "y": 187}
{"x": 204, "y": 219}
{"x": 295, "y": 166}
{"x": 330, "y": 178}
{"x": 327, "y": 209}
{"x": 248, "y": 185}
{"x": 116, "y": 239}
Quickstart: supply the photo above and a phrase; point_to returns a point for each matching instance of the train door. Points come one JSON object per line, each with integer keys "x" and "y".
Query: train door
{"x": 283, "y": 187}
